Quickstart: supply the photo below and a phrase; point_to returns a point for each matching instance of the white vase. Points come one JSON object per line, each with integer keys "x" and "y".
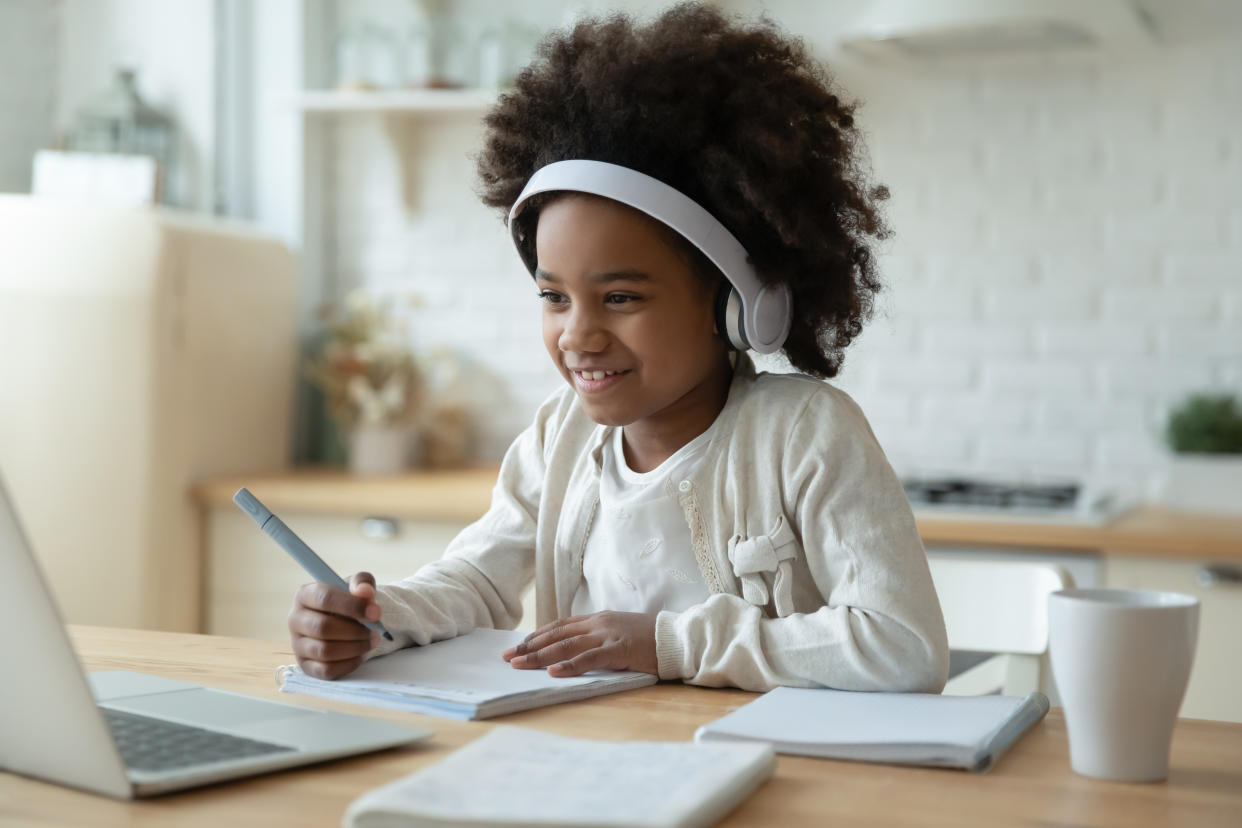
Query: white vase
{"x": 1200, "y": 482}
{"x": 376, "y": 450}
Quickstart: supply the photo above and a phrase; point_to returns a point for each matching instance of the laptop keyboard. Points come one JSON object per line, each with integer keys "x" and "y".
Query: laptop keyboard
{"x": 149, "y": 744}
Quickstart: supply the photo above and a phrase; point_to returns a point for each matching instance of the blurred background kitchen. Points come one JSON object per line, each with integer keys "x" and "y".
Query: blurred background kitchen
{"x": 239, "y": 245}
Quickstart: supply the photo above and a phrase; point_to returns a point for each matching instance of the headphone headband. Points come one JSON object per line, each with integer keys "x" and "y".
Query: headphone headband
{"x": 766, "y": 311}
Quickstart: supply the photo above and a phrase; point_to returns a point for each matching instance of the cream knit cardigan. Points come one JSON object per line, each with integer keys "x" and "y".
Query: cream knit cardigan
{"x": 800, "y": 528}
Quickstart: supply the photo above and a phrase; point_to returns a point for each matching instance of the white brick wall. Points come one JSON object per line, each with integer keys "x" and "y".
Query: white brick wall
{"x": 28, "y": 36}
{"x": 1067, "y": 258}
{"x": 1107, "y": 277}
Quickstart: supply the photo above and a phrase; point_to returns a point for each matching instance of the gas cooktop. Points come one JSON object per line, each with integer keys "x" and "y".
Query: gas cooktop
{"x": 1054, "y": 502}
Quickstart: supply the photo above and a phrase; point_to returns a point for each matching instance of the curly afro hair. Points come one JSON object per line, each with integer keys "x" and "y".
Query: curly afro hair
{"x": 738, "y": 117}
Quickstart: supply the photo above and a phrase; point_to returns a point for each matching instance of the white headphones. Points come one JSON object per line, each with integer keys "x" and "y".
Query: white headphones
{"x": 752, "y": 314}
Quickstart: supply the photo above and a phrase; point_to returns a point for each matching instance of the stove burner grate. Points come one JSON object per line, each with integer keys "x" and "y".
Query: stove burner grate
{"x": 957, "y": 491}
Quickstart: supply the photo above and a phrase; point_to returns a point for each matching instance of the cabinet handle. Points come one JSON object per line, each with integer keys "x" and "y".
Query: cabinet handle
{"x": 1219, "y": 575}
{"x": 380, "y": 528}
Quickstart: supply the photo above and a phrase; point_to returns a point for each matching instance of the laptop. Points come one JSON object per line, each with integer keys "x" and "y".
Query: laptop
{"x": 128, "y": 734}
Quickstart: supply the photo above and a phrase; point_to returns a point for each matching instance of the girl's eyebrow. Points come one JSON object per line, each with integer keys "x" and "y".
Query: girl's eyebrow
{"x": 605, "y": 277}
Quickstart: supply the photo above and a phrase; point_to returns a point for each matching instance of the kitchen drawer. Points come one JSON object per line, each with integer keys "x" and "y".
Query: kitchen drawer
{"x": 250, "y": 581}
{"x": 1215, "y": 690}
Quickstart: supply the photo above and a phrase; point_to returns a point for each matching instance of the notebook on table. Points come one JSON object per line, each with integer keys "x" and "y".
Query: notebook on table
{"x": 459, "y": 678}
{"x": 529, "y": 778}
{"x": 968, "y": 732}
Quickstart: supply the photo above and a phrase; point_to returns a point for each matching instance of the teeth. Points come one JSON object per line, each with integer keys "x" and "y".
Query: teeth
{"x": 598, "y": 374}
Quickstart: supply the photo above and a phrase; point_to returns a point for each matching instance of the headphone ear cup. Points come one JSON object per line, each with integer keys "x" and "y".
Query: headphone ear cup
{"x": 729, "y": 317}
{"x": 719, "y": 306}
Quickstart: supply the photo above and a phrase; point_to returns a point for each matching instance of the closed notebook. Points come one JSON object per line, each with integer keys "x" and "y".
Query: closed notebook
{"x": 967, "y": 732}
{"x": 459, "y": 678}
{"x": 515, "y": 776}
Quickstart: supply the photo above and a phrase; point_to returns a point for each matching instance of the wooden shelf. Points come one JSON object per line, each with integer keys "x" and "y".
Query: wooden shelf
{"x": 412, "y": 101}
{"x": 461, "y": 495}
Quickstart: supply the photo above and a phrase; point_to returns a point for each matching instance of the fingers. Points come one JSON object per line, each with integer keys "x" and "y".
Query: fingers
{"x": 316, "y": 649}
{"x": 323, "y": 598}
{"x": 362, "y": 584}
{"x": 547, "y": 634}
{"x": 325, "y": 626}
{"x": 597, "y": 659}
{"x": 329, "y": 670}
{"x": 557, "y": 651}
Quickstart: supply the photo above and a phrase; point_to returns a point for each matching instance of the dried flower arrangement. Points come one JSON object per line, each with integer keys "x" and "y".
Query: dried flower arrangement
{"x": 365, "y": 367}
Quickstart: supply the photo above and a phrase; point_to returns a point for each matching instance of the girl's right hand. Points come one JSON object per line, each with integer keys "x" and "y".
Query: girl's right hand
{"x": 325, "y": 625}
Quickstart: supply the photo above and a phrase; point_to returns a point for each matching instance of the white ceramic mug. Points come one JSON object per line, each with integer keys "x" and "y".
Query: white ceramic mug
{"x": 1121, "y": 659}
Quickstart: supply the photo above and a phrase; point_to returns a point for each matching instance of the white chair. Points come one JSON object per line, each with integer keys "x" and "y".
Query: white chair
{"x": 998, "y": 610}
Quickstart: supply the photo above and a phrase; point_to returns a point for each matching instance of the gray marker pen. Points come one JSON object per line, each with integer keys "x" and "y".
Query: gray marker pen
{"x": 295, "y": 546}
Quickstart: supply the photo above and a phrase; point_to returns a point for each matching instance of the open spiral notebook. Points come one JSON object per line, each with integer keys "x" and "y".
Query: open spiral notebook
{"x": 459, "y": 678}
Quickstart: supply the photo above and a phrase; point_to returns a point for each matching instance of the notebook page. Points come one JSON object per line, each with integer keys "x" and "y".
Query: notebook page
{"x": 538, "y": 778}
{"x": 837, "y": 717}
{"x": 467, "y": 669}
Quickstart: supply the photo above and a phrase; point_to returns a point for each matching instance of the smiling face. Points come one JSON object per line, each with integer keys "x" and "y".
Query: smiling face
{"x": 628, "y": 321}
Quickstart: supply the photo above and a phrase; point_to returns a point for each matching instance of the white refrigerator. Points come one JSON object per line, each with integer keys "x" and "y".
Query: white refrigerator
{"x": 139, "y": 351}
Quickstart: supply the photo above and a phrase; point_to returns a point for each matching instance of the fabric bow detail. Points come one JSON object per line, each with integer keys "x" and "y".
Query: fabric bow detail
{"x": 773, "y": 554}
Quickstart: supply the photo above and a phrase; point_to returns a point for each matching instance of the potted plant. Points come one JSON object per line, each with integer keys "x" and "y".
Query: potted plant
{"x": 1205, "y": 470}
{"x": 372, "y": 384}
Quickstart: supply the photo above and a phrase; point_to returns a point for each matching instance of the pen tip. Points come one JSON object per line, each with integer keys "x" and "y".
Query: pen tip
{"x": 388, "y": 636}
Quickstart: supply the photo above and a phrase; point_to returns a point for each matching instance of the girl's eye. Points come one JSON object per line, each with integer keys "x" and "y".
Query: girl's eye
{"x": 551, "y": 297}
{"x": 620, "y": 298}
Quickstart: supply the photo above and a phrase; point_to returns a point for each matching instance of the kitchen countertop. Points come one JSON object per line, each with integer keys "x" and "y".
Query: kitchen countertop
{"x": 463, "y": 495}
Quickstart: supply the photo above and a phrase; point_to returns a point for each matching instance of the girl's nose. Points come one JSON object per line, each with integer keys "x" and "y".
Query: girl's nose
{"x": 582, "y": 333}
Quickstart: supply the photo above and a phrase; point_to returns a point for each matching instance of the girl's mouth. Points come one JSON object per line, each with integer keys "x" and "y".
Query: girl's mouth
{"x": 596, "y": 381}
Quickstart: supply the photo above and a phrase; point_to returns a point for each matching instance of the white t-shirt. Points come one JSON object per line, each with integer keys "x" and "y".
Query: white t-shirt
{"x": 638, "y": 557}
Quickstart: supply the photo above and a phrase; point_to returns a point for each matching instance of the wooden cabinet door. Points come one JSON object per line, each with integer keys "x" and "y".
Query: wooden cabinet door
{"x": 1215, "y": 690}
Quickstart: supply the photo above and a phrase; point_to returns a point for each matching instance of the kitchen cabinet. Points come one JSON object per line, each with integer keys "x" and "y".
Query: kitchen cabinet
{"x": 1215, "y": 690}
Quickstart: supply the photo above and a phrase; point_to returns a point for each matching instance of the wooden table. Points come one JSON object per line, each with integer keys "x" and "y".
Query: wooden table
{"x": 1032, "y": 784}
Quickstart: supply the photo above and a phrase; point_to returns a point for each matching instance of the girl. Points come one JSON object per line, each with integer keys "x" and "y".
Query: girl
{"x": 680, "y": 191}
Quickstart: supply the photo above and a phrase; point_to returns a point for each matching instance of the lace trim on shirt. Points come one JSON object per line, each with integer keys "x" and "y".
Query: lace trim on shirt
{"x": 586, "y": 533}
{"x": 698, "y": 541}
